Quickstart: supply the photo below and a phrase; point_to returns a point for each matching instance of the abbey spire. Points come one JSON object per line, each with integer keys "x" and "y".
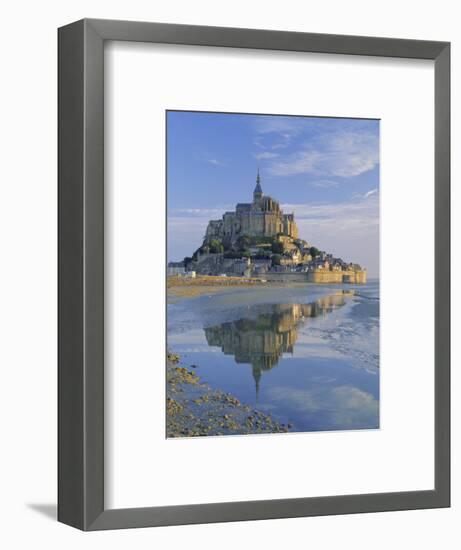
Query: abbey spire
{"x": 258, "y": 192}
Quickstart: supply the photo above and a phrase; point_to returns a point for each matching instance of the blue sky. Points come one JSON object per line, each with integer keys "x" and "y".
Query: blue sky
{"x": 325, "y": 170}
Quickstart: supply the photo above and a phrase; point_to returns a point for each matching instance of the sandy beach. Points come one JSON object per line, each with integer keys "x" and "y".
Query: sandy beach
{"x": 182, "y": 287}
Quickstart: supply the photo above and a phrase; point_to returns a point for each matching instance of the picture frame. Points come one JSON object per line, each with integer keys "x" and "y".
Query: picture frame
{"x": 81, "y": 471}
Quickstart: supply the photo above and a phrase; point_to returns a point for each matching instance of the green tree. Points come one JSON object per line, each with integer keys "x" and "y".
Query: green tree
{"x": 216, "y": 246}
{"x": 187, "y": 260}
{"x": 276, "y": 259}
{"x": 314, "y": 252}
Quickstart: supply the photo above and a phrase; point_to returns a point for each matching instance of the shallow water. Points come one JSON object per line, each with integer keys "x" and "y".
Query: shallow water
{"x": 306, "y": 354}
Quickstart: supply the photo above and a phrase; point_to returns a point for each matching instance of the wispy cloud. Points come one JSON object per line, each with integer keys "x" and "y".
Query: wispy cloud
{"x": 257, "y": 141}
{"x": 369, "y": 193}
{"x": 344, "y": 153}
{"x": 324, "y": 183}
{"x": 207, "y": 213}
{"x": 209, "y": 157}
{"x": 366, "y": 195}
{"x": 274, "y": 132}
{"x": 341, "y": 154}
{"x": 281, "y": 144}
{"x": 265, "y": 155}
{"x": 287, "y": 126}
{"x": 342, "y": 215}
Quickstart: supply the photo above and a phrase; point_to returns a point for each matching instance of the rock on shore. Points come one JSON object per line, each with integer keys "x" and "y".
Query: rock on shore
{"x": 194, "y": 409}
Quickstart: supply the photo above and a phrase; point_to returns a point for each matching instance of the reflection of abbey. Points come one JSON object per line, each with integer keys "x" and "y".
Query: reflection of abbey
{"x": 258, "y": 239}
{"x": 261, "y": 341}
{"x": 260, "y": 218}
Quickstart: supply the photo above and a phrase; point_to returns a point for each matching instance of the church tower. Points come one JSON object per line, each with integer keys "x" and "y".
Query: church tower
{"x": 258, "y": 192}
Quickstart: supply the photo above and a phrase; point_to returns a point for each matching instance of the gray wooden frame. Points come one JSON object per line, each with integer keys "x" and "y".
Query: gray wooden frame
{"x": 81, "y": 273}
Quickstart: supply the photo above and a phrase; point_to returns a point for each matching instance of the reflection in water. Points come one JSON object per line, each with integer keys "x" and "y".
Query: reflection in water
{"x": 261, "y": 339}
{"x": 314, "y": 370}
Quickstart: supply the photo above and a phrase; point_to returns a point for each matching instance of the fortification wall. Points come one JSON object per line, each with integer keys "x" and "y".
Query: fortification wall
{"x": 285, "y": 277}
{"x": 325, "y": 276}
{"x": 216, "y": 264}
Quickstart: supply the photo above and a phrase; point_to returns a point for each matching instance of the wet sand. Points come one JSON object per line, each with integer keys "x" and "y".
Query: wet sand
{"x": 182, "y": 287}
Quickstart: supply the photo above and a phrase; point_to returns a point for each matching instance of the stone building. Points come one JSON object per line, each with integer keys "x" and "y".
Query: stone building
{"x": 260, "y": 218}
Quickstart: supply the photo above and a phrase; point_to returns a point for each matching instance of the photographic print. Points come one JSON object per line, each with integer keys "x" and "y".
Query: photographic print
{"x": 272, "y": 274}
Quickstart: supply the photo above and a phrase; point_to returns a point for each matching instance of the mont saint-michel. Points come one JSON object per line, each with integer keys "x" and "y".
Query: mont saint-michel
{"x": 273, "y": 303}
{"x": 258, "y": 239}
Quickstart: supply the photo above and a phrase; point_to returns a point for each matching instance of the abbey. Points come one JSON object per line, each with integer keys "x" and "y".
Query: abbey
{"x": 260, "y": 218}
{"x": 258, "y": 239}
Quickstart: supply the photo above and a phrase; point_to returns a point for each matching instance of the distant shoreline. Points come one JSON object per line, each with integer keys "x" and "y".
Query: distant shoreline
{"x": 179, "y": 288}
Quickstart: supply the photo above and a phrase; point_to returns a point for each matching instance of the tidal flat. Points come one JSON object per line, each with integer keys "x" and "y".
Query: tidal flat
{"x": 181, "y": 287}
{"x": 294, "y": 357}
